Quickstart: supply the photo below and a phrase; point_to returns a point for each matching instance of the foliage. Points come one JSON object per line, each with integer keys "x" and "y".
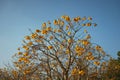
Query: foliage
{"x": 118, "y": 54}
{"x": 113, "y": 69}
{"x": 61, "y": 51}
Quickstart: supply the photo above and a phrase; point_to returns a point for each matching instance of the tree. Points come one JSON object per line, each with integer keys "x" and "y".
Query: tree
{"x": 118, "y": 54}
{"x": 113, "y": 69}
{"x": 61, "y": 51}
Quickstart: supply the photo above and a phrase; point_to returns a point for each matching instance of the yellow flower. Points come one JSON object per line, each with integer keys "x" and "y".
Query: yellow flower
{"x": 89, "y": 53}
{"x": 92, "y": 57}
{"x": 81, "y": 72}
{"x": 88, "y": 24}
{"x": 69, "y": 33}
{"x": 20, "y": 59}
{"x": 44, "y": 25}
{"x": 75, "y": 19}
{"x": 26, "y": 60}
{"x": 58, "y": 21}
{"x": 30, "y": 43}
{"x": 63, "y": 17}
{"x": 37, "y": 30}
{"x": 74, "y": 71}
{"x": 25, "y": 47}
{"x": 49, "y": 29}
{"x": 79, "y": 49}
{"x": 25, "y": 54}
{"x": 98, "y": 48}
{"x": 61, "y": 23}
{"x": 78, "y": 17}
{"x": 27, "y": 37}
{"x": 50, "y": 47}
{"x": 44, "y": 31}
{"x": 88, "y": 36}
{"x": 70, "y": 40}
{"x": 79, "y": 53}
{"x": 84, "y": 18}
{"x": 87, "y": 58}
{"x": 55, "y": 22}
{"x": 38, "y": 41}
{"x": 89, "y": 18}
{"x": 34, "y": 35}
{"x": 67, "y": 18}
{"x": 67, "y": 27}
{"x": 97, "y": 63}
{"x": 19, "y": 53}
{"x": 41, "y": 37}
{"x": 85, "y": 42}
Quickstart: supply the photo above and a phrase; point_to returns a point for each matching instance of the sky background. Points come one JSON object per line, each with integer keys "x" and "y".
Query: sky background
{"x": 17, "y": 16}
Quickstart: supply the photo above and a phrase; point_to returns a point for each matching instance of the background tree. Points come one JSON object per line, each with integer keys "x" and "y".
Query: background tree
{"x": 61, "y": 51}
{"x": 118, "y": 54}
{"x": 113, "y": 69}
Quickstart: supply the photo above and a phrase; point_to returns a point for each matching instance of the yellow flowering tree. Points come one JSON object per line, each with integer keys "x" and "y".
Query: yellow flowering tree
{"x": 61, "y": 50}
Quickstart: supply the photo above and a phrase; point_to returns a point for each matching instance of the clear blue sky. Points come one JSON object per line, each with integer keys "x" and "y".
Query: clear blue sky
{"x": 16, "y": 16}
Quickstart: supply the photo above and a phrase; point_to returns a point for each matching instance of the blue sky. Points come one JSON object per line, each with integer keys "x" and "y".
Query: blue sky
{"x": 16, "y": 16}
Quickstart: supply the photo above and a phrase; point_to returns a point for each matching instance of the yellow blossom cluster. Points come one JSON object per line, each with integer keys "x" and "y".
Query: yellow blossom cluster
{"x": 37, "y": 30}
{"x": 27, "y": 38}
{"x": 44, "y": 25}
{"x": 19, "y": 53}
{"x": 90, "y": 56}
{"x": 24, "y": 60}
{"x": 44, "y": 31}
{"x": 50, "y": 47}
{"x": 77, "y": 71}
{"x": 67, "y": 27}
{"x": 76, "y": 19}
{"x": 58, "y": 22}
{"x": 67, "y": 18}
{"x": 97, "y": 63}
{"x": 74, "y": 71}
{"x": 79, "y": 50}
{"x": 81, "y": 72}
{"x": 98, "y": 48}
{"x": 25, "y": 47}
{"x": 85, "y": 42}
{"x": 34, "y": 35}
